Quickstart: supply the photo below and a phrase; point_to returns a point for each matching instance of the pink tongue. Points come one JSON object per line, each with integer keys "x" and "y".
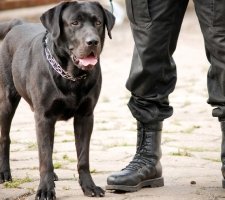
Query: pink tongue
{"x": 91, "y": 60}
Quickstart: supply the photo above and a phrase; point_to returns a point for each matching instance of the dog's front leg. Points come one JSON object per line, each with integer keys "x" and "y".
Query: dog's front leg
{"x": 83, "y": 127}
{"x": 45, "y": 137}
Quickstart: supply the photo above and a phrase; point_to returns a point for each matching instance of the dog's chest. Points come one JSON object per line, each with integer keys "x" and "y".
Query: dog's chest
{"x": 63, "y": 108}
{"x": 65, "y": 113}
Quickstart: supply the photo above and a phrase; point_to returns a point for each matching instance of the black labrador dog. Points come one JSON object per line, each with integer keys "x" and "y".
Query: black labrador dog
{"x": 55, "y": 67}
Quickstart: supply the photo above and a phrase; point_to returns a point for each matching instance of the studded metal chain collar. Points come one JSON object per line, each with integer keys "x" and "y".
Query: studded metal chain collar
{"x": 56, "y": 66}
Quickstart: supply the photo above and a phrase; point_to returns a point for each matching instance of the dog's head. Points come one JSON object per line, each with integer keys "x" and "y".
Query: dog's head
{"x": 78, "y": 29}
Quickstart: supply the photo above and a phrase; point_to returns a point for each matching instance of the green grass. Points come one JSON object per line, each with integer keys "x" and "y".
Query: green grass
{"x": 57, "y": 134}
{"x": 124, "y": 144}
{"x": 190, "y": 130}
{"x": 201, "y": 149}
{"x": 15, "y": 183}
{"x": 213, "y": 159}
{"x": 167, "y": 140}
{"x": 102, "y": 128}
{"x": 93, "y": 171}
{"x": 105, "y": 99}
{"x": 14, "y": 142}
{"x": 66, "y": 188}
{"x": 66, "y": 140}
{"x": 69, "y": 133}
{"x": 186, "y": 103}
{"x": 57, "y": 165}
{"x": 67, "y": 158}
{"x": 32, "y": 146}
{"x": 181, "y": 152}
{"x": 167, "y": 131}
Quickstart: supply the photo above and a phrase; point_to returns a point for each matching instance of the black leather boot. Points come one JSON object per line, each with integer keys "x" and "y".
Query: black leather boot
{"x": 222, "y": 124}
{"x": 145, "y": 169}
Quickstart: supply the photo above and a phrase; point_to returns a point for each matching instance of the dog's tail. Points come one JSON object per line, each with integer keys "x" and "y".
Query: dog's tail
{"x": 5, "y": 27}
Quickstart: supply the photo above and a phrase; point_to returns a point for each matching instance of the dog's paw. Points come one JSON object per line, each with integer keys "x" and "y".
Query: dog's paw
{"x": 46, "y": 189}
{"x": 5, "y": 176}
{"x": 88, "y": 186}
{"x": 93, "y": 191}
{"x": 45, "y": 195}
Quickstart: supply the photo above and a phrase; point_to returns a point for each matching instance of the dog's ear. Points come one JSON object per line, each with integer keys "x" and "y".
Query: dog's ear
{"x": 51, "y": 19}
{"x": 109, "y": 19}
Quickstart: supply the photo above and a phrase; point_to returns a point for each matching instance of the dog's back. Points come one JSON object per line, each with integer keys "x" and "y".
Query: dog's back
{"x": 5, "y": 27}
{"x": 18, "y": 39}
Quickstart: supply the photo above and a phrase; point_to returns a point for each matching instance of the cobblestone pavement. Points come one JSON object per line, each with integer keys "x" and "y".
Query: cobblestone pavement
{"x": 190, "y": 141}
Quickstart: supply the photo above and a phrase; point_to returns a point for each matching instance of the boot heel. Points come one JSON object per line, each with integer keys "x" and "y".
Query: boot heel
{"x": 158, "y": 182}
{"x": 223, "y": 183}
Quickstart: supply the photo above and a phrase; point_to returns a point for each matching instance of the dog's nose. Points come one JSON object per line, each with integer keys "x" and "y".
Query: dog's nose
{"x": 92, "y": 42}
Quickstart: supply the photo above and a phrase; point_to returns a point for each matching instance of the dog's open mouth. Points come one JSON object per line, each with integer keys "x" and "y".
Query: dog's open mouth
{"x": 85, "y": 63}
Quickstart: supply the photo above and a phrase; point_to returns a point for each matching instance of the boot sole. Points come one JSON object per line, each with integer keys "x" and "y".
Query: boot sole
{"x": 157, "y": 182}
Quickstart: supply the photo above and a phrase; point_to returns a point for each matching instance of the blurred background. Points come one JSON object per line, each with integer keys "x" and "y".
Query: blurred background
{"x": 13, "y": 4}
{"x": 18, "y": 4}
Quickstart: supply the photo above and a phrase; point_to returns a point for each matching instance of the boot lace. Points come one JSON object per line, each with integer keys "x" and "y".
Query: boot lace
{"x": 140, "y": 159}
{"x": 138, "y": 162}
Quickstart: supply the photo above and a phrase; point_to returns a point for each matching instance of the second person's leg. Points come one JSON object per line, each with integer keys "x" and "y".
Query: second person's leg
{"x": 211, "y": 15}
{"x": 155, "y": 26}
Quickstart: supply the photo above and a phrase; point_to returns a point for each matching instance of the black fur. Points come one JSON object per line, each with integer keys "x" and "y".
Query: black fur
{"x": 75, "y": 30}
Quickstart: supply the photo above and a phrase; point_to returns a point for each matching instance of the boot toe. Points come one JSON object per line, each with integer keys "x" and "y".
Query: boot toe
{"x": 124, "y": 177}
{"x": 115, "y": 179}
{"x": 111, "y": 180}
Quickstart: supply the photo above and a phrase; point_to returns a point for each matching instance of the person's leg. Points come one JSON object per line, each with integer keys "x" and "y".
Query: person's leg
{"x": 211, "y": 15}
{"x": 153, "y": 72}
{"x": 155, "y": 26}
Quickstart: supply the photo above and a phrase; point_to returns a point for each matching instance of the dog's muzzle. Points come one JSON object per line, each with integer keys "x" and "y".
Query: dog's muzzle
{"x": 85, "y": 63}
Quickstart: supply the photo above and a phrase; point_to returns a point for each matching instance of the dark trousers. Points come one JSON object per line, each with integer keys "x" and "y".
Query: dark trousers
{"x": 155, "y": 25}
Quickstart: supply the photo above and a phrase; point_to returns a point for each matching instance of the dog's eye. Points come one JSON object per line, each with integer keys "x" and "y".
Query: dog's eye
{"x": 98, "y": 23}
{"x": 75, "y": 23}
